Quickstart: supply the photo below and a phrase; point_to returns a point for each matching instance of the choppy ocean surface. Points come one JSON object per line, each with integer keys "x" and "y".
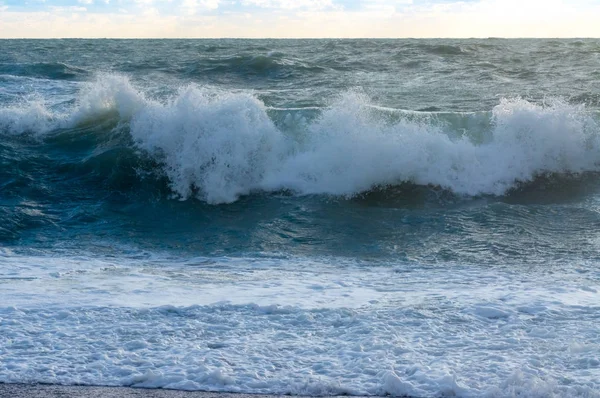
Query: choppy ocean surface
{"x": 365, "y": 217}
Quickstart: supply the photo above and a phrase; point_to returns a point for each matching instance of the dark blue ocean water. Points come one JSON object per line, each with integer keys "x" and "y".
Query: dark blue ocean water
{"x": 451, "y": 180}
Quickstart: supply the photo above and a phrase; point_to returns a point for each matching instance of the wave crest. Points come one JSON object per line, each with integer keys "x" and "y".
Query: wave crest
{"x": 47, "y": 70}
{"x": 270, "y": 64}
{"x": 217, "y": 146}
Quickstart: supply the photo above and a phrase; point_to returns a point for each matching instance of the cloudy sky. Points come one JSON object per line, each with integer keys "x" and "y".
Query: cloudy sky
{"x": 299, "y": 18}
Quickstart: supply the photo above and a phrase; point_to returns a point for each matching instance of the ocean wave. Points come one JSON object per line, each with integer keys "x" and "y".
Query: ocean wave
{"x": 272, "y": 63}
{"x": 446, "y": 49}
{"x": 48, "y": 70}
{"x": 217, "y": 146}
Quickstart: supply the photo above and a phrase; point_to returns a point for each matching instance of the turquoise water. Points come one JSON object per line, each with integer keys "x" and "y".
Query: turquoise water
{"x": 451, "y": 185}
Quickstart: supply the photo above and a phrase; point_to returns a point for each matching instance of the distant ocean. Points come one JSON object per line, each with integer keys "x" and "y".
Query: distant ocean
{"x": 319, "y": 217}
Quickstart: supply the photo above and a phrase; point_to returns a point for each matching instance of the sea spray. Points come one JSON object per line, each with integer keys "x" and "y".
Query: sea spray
{"x": 216, "y": 145}
{"x": 224, "y": 145}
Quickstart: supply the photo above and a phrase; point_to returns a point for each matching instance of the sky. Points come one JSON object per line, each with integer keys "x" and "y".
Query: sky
{"x": 298, "y": 18}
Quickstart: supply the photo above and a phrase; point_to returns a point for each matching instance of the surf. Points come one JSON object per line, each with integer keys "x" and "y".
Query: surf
{"x": 216, "y": 146}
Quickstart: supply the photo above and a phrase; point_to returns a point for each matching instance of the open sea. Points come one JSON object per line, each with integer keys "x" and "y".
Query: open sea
{"x": 414, "y": 218}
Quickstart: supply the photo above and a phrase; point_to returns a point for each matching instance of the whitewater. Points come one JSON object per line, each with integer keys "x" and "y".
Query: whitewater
{"x": 218, "y": 146}
{"x": 309, "y": 217}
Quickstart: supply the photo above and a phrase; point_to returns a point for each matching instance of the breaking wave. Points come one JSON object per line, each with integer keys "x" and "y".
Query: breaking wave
{"x": 217, "y": 146}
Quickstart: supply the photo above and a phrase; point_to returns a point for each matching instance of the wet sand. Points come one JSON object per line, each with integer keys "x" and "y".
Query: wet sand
{"x": 54, "y": 391}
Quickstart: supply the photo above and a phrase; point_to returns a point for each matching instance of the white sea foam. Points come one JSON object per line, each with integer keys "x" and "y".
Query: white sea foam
{"x": 31, "y": 116}
{"x": 225, "y": 146}
{"x": 109, "y": 93}
{"x": 301, "y": 326}
{"x": 219, "y": 145}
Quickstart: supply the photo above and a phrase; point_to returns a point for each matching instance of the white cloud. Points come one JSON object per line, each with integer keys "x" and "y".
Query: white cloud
{"x": 192, "y": 7}
{"x": 508, "y": 18}
{"x": 307, "y": 18}
{"x": 141, "y": 2}
{"x": 68, "y": 9}
{"x": 289, "y": 4}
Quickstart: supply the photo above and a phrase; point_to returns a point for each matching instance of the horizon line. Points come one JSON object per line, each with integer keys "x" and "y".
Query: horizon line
{"x": 313, "y": 38}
